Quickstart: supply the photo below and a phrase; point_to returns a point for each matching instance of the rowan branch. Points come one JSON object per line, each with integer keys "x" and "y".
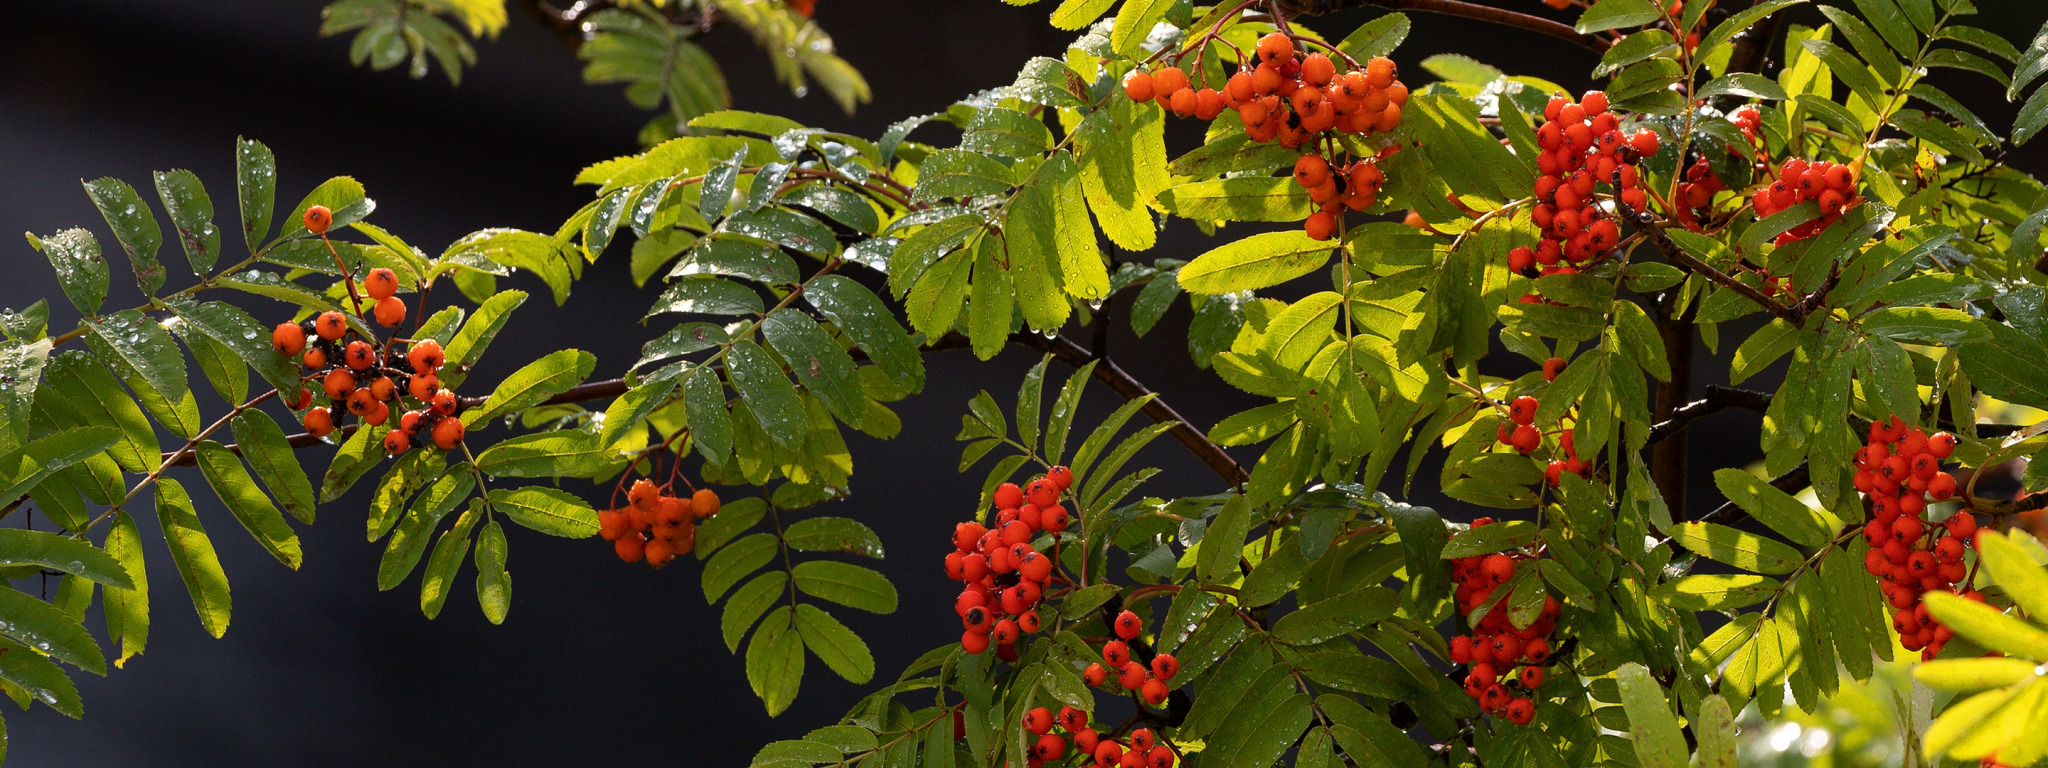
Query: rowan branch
{"x": 1718, "y": 399}
{"x": 1654, "y": 232}
{"x": 1537, "y": 24}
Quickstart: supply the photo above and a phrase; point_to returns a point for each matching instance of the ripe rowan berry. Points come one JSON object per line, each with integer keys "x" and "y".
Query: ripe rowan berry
{"x": 630, "y": 548}
{"x": 317, "y": 219}
{"x": 425, "y": 356}
{"x": 396, "y": 442}
{"x": 1521, "y": 711}
{"x": 1523, "y": 410}
{"x": 1168, "y": 81}
{"x": 379, "y": 413}
{"x": 1094, "y": 675}
{"x": 1165, "y": 666}
{"x": 1134, "y": 676}
{"x": 1209, "y": 104}
{"x": 331, "y": 325}
{"x": 1183, "y": 102}
{"x": 447, "y": 433}
{"x": 1038, "y": 720}
{"x": 380, "y": 283}
{"x": 1537, "y": 651}
{"x": 1274, "y": 47}
{"x": 704, "y": 503}
{"x": 1161, "y": 756}
{"x": 389, "y": 311}
{"x": 1526, "y": 439}
{"x": 1043, "y": 493}
{"x": 304, "y": 398}
{"x": 1321, "y": 226}
{"x": 359, "y": 355}
{"x": 1049, "y": 747}
{"x": 422, "y": 386}
{"x": 383, "y": 389}
{"x": 444, "y": 402}
{"x": 659, "y": 552}
{"x": 1532, "y": 677}
{"x": 1008, "y": 496}
{"x": 1073, "y": 719}
{"x": 1128, "y": 626}
{"x": 315, "y": 359}
{"x": 1553, "y": 367}
{"x": 288, "y": 339}
{"x": 318, "y": 422}
{"x": 338, "y": 384}
{"x": 1115, "y": 654}
{"x": 974, "y": 642}
{"x": 1107, "y": 753}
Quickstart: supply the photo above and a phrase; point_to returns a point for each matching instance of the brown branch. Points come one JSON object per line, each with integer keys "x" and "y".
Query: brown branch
{"x": 1537, "y": 24}
{"x": 1718, "y": 399}
{"x": 1654, "y": 232}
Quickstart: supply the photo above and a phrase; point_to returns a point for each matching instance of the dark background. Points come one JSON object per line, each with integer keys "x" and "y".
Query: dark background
{"x": 598, "y": 663}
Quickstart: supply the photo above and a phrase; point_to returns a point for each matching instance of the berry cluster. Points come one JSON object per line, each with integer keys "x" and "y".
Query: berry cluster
{"x": 366, "y": 376}
{"x": 1299, "y": 101}
{"x": 1696, "y": 193}
{"x": 1900, "y": 470}
{"x": 1506, "y": 663}
{"x": 1832, "y": 186}
{"x": 1148, "y": 680}
{"x": 1583, "y": 152}
{"x": 1004, "y": 574}
{"x": 1141, "y": 749}
{"x": 1520, "y": 433}
{"x": 654, "y": 524}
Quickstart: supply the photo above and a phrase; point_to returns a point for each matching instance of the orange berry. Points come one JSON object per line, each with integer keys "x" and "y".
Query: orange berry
{"x": 396, "y": 442}
{"x": 445, "y": 402}
{"x": 1379, "y": 72}
{"x": 1311, "y": 171}
{"x": 1208, "y": 104}
{"x": 1321, "y": 225}
{"x": 331, "y": 325}
{"x": 359, "y": 355}
{"x": 288, "y": 338}
{"x": 318, "y": 219}
{"x": 318, "y": 422}
{"x": 383, "y": 388}
{"x": 1275, "y": 47}
{"x": 1167, "y": 81}
{"x": 659, "y": 552}
{"x": 338, "y": 384}
{"x": 447, "y": 433}
{"x": 426, "y": 356}
{"x": 1139, "y": 87}
{"x": 379, "y": 413}
{"x": 704, "y": 503}
{"x": 1183, "y": 102}
{"x": 381, "y": 283}
{"x": 361, "y": 403}
{"x": 1239, "y": 90}
{"x": 389, "y": 312}
{"x": 1317, "y": 70}
{"x": 315, "y": 359}
{"x": 423, "y": 385}
{"x": 630, "y": 548}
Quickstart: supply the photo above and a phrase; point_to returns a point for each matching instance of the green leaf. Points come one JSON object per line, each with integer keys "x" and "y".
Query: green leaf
{"x": 2032, "y": 62}
{"x": 833, "y": 534}
{"x": 30, "y": 464}
{"x": 409, "y": 540}
{"x": 711, "y": 425}
{"x": 493, "y": 584}
{"x": 1485, "y": 540}
{"x": 48, "y": 629}
{"x": 237, "y": 489}
{"x": 446, "y": 562}
{"x": 127, "y": 609}
{"x": 193, "y": 553}
{"x": 1221, "y": 546}
{"x": 1788, "y": 516}
{"x": 628, "y": 414}
{"x": 990, "y": 305}
{"x": 1651, "y": 725}
{"x": 62, "y": 553}
{"x": 748, "y": 603}
{"x": 191, "y": 213}
{"x": 529, "y": 386}
{"x": 1378, "y": 37}
{"x": 735, "y": 561}
{"x": 960, "y": 173}
{"x": 1334, "y": 617}
{"x": 704, "y": 295}
{"x": 2015, "y": 572}
{"x": 140, "y": 349}
{"x": 481, "y": 327}
{"x": 1276, "y": 198}
{"x": 134, "y": 226}
{"x": 775, "y": 661}
{"x": 255, "y": 189}
{"x": 1937, "y": 325}
{"x": 1974, "y": 674}
{"x": 555, "y": 453}
{"x": 1259, "y": 261}
{"x": 1075, "y": 14}
{"x": 81, "y": 272}
{"x": 553, "y": 512}
{"x": 37, "y": 679}
{"x": 1742, "y": 550}
{"x": 870, "y": 326}
{"x": 1743, "y": 84}
{"x": 1616, "y": 14}
{"x": 342, "y": 195}
{"x": 1987, "y": 626}
{"x": 1134, "y": 22}
{"x": 824, "y": 369}
{"x": 1123, "y": 167}
{"x": 99, "y": 400}
{"x": 243, "y": 335}
{"x": 769, "y": 396}
{"x": 924, "y": 249}
{"x": 361, "y": 452}
{"x": 835, "y": 644}
{"x": 1717, "y": 592}
{"x": 849, "y": 585}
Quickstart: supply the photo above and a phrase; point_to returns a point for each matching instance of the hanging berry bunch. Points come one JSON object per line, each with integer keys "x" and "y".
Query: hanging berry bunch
{"x": 1141, "y": 749}
{"x": 1831, "y": 186}
{"x": 655, "y": 524}
{"x": 1149, "y": 681}
{"x": 1900, "y": 470}
{"x": 363, "y": 375}
{"x": 1506, "y": 662}
{"x": 1300, "y": 101}
{"x": 1584, "y": 156}
{"x": 1005, "y": 575}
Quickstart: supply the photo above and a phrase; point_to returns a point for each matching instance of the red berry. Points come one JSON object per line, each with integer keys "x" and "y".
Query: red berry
{"x": 1128, "y": 625}
{"x": 1165, "y": 666}
{"x": 1038, "y": 720}
{"x": 317, "y": 219}
{"x": 1523, "y": 410}
{"x": 1521, "y": 711}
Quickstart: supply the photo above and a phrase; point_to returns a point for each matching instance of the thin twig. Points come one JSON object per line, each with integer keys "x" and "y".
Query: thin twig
{"x": 1718, "y": 399}
{"x": 1654, "y": 232}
